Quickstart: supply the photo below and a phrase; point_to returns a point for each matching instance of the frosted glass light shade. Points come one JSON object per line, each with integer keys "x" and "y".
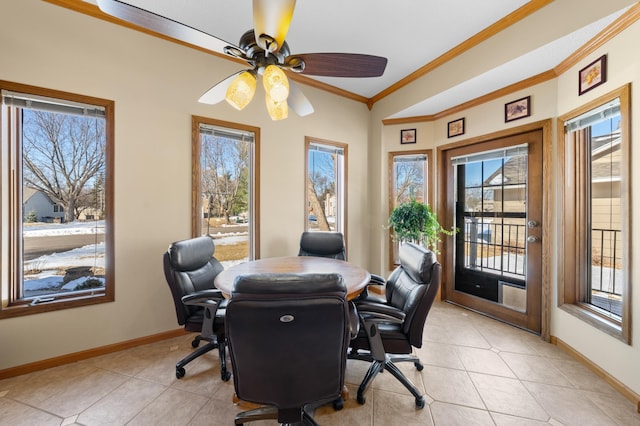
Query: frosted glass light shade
{"x": 275, "y": 83}
{"x": 276, "y": 110}
{"x": 241, "y": 90}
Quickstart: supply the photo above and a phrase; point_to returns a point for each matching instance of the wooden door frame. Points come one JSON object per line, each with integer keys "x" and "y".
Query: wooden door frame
{"x": 446, "y": 215}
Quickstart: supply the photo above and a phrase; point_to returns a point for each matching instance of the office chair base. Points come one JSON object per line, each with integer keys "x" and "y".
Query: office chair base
{"x": 225, "y": 374}
{"x": 267, "y": 413}
{"x": 378, "y": 366}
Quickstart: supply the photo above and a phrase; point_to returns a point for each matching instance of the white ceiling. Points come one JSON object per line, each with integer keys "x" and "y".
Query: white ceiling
{"x": 409, "y": 33}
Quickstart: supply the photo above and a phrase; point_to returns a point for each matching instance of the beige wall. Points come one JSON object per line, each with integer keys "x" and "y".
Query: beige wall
{"x": 615, "y": 357}
{"x": 155, "y": 85}
{"x": 549, "y": 100}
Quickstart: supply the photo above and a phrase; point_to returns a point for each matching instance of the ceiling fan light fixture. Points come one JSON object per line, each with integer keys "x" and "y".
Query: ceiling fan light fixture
{"x": 241, "y": 90}
{"x": 276, "y": 110}
{"x": 275, "y": 83}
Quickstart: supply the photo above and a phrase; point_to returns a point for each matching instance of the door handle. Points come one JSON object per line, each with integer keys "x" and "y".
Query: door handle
{"x": 532, "y": 239}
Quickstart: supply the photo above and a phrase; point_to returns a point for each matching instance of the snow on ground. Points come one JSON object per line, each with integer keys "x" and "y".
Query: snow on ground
{"x": 231, "y": 238}
{"x": 72, "y": 228}
{"x": 91, "y": 255}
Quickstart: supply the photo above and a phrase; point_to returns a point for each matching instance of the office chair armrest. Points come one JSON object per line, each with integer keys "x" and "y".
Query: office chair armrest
{"x": 203, "y": 298}
{"x": 372, "y": 314}
{"x": 380, "y": 313}
{"x": 377, "y": 280}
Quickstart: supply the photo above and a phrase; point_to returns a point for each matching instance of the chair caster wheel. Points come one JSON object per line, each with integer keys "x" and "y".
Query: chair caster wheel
{"x": 419, "y": 366}
{"x": 180, "y": 373}
{"x": 338, "y": 404}
{"x": 195, "y": 343}
{"x": 225, "y": 376}
{"x": 420, "y": 402}
{"x": 361, "y": 399}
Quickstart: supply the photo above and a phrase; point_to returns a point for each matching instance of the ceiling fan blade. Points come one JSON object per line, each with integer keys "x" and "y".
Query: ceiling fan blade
{"x": 218, "y": 92}
{"x": 341, "y": 64}
{"x": 163, "y": 25}
{"x": 272, "y": 18}
{"x": 298, "y": 101}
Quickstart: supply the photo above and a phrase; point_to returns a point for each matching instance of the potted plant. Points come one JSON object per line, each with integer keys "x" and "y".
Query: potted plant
{"x": 415, "y": 222}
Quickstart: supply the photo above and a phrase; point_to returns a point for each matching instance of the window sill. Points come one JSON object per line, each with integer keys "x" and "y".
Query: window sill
{"x": 607, "y": 326}
{"x": 19, "y": 310}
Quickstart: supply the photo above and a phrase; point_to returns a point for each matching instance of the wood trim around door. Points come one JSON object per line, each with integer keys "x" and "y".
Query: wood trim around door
{"x": 446, "y": 216}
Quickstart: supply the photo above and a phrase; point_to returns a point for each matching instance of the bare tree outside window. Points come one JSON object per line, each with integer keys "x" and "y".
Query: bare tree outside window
{"x": 325, "y": 182}
{"x": 64, "y": 157}
{"x": 225, "y": 191}
{"x": 225, "y": 173}
{"x": 58, "y": 149}
{"x": 408, "y": 179}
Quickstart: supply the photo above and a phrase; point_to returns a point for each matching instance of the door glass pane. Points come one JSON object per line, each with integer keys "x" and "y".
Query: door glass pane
{"x": 491, "y": 260}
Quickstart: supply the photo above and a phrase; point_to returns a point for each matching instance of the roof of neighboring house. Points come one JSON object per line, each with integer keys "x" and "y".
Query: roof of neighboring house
{"x": 604, "y": 164}
{"x": 514, "y": 171}
{"x": 28, "y": 192}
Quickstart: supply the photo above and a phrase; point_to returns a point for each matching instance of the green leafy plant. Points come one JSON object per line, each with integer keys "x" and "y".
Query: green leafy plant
{"x": 415, "y": 222}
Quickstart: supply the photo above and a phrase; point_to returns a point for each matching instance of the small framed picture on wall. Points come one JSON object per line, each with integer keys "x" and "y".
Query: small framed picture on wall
{"x": 593, "y": 75}
{"x": 408, "y": 136}
{"x": 455, "y": 128}
{"x": 517, "y": 109}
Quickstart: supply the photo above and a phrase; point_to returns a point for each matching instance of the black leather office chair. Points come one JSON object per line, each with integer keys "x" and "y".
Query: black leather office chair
{"x": 288, "y": 336}
{"x": 390, "y": 329}
{"x": 190, "y": 268}
{"x": 330, "y": 244}
{"x": 323, "y": 244}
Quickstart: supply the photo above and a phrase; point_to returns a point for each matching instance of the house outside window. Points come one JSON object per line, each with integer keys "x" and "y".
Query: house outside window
{"x": 57, "y": 151}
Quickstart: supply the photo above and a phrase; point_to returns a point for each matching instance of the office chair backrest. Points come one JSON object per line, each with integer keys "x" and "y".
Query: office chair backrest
{"x": 288, "y": 336}
{"x": 189, "y": 266}
{"x": 323, "y": 244}
{"x": 412, "y": 287}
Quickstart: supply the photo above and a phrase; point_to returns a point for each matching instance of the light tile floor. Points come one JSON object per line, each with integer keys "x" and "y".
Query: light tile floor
{"x": 477, "y": 372}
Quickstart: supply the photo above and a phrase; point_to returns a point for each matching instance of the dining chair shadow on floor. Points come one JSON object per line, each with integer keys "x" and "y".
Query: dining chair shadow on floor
{"x": 288, "y": 336}
{"x": 190, "y": 268}
{"x": 391, "y": 327}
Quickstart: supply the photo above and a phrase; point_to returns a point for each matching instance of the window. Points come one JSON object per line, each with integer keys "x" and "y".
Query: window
{"x": 326, "y": 194}
{"x": 56, "y": 198}
{"x": 595, "y": 284}
{"x": 408, "y": 178}
{"x": 225, "y": 191}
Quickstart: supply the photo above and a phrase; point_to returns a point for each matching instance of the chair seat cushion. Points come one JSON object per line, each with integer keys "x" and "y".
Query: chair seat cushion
{"x": 394, "y": 340}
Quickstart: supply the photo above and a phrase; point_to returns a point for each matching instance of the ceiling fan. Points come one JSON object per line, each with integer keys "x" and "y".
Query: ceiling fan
{"x": 264, "y": 48}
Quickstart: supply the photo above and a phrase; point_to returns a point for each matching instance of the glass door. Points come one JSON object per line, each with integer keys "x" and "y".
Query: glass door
{"x": 497, "y": 188}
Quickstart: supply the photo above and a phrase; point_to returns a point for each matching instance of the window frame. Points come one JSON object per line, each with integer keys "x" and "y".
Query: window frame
{"x": 428, "y": 187}
{"x": 11, "y": 254}
{"x": 308, "y": 141}
{"x": 572, "y": 247}
{"x": 196, "y": 176}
